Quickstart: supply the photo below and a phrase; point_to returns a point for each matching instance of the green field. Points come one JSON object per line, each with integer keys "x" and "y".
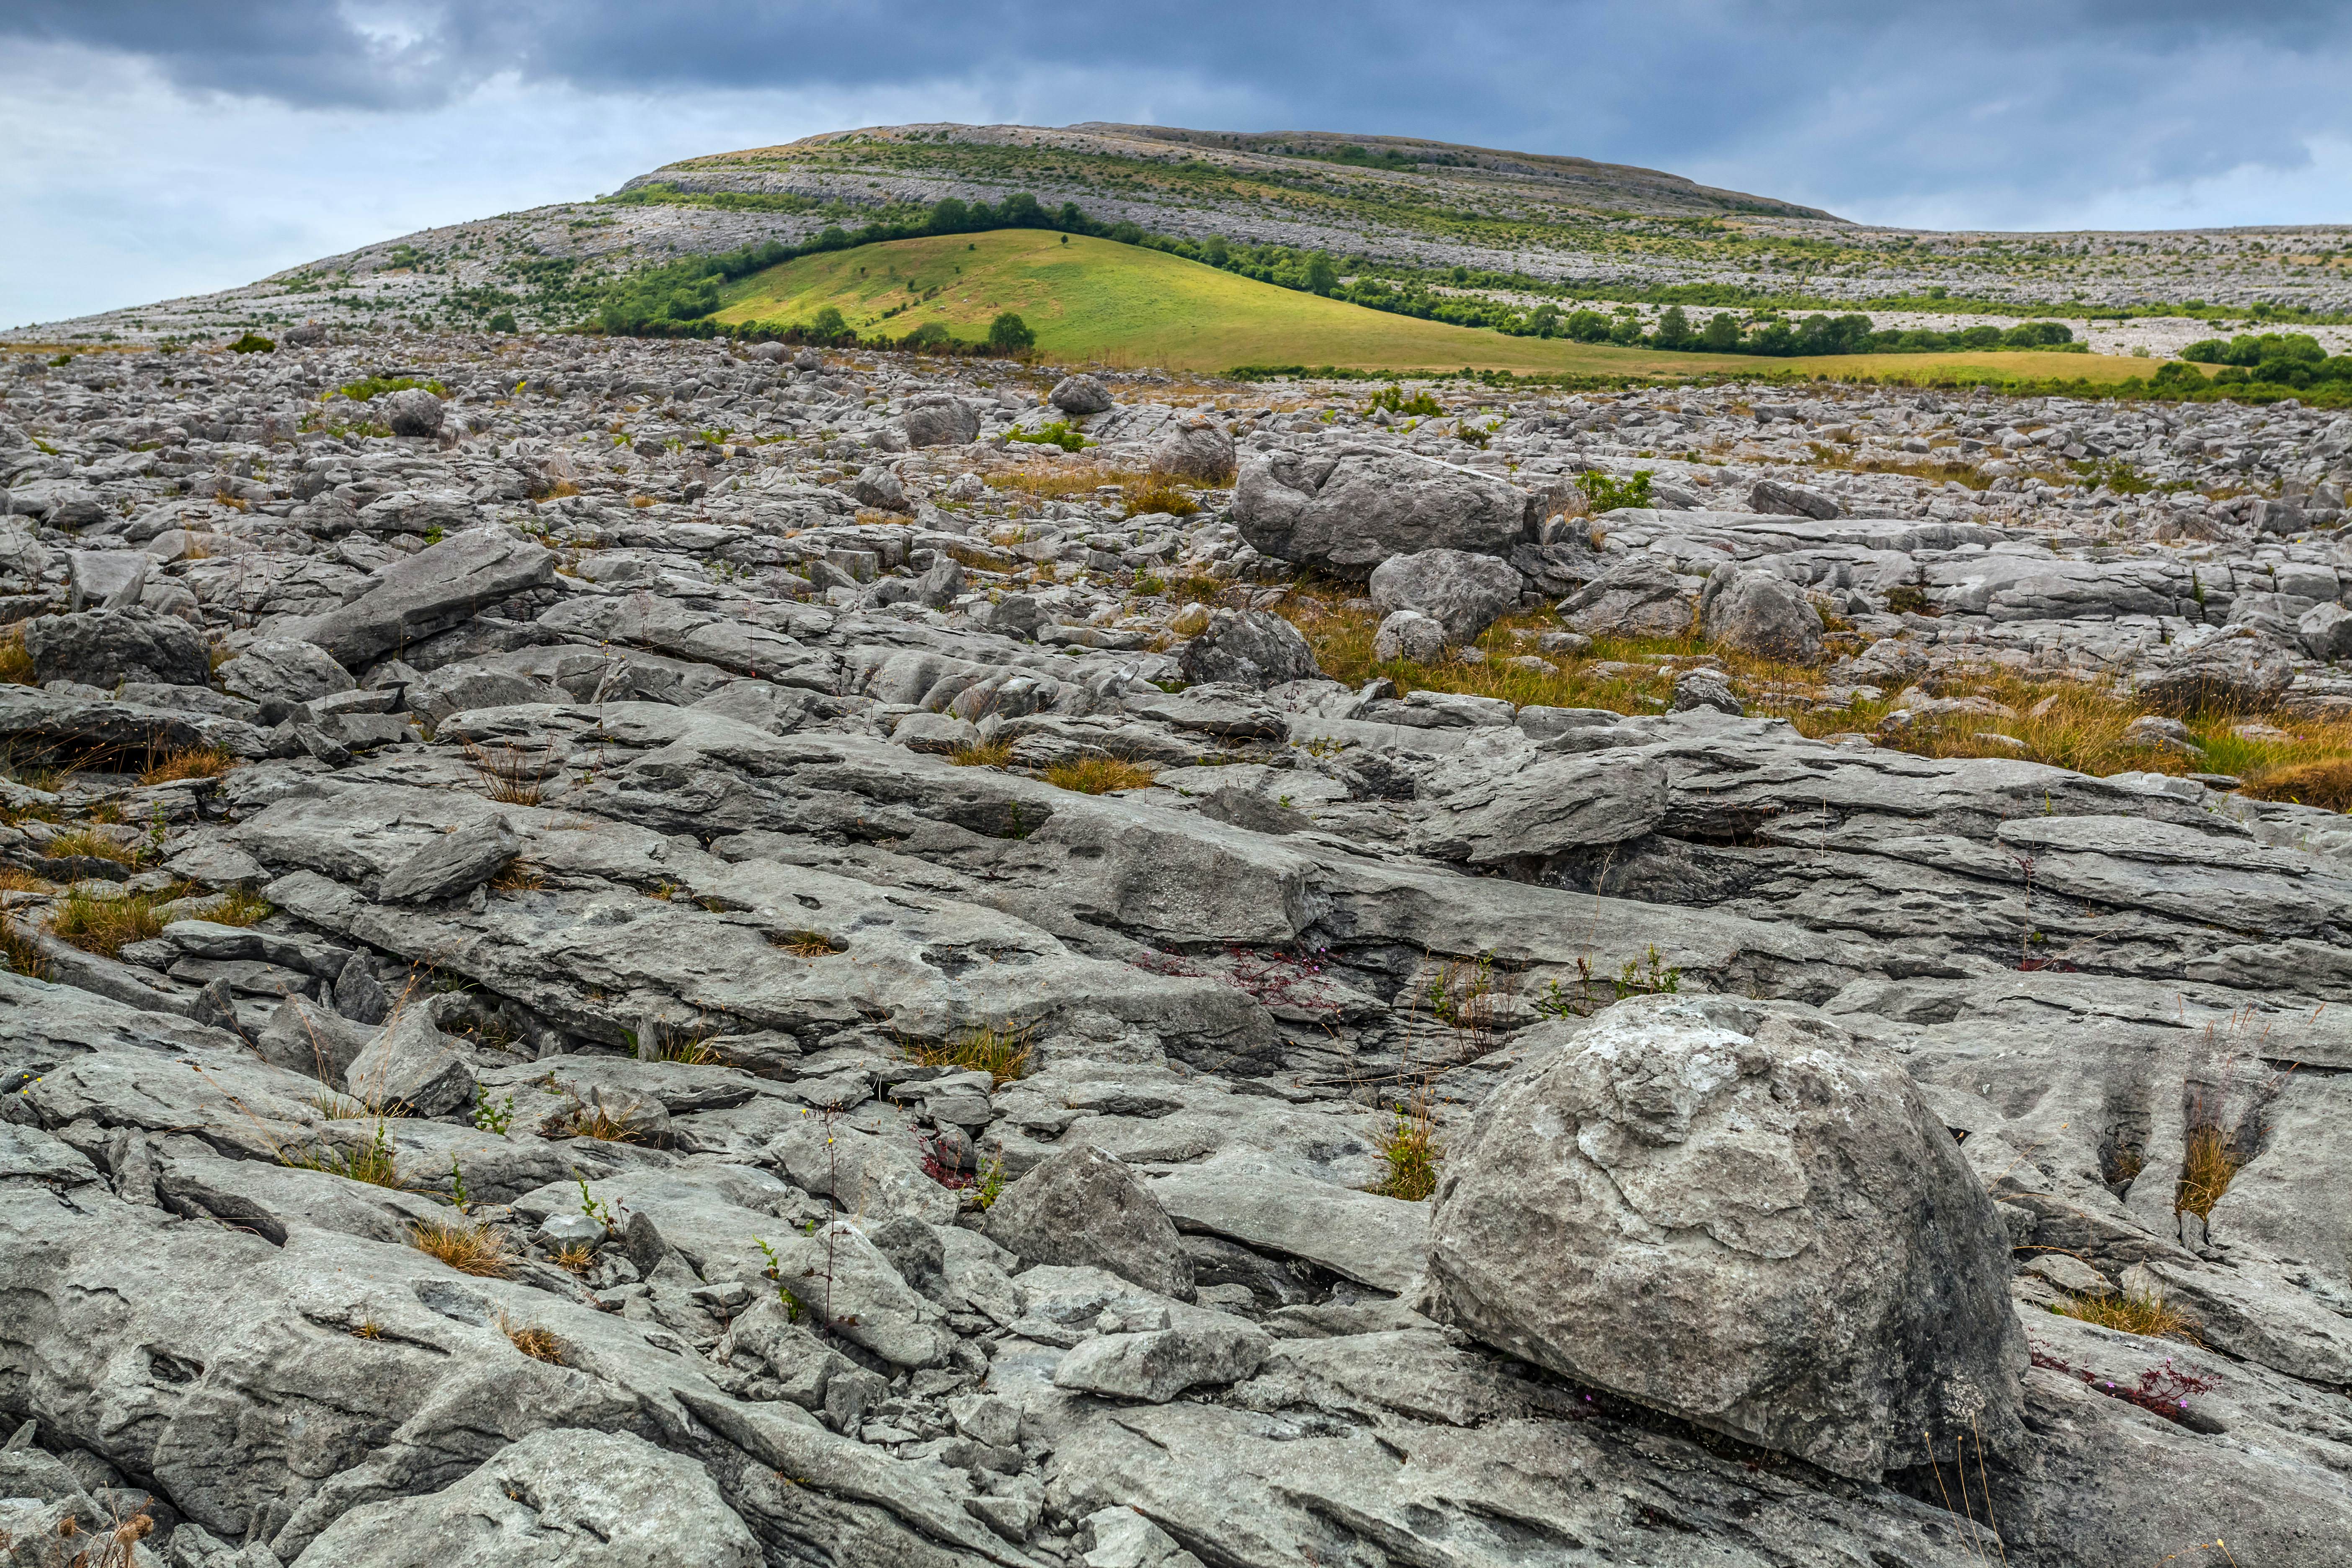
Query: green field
{"x": 1096, "y": 300}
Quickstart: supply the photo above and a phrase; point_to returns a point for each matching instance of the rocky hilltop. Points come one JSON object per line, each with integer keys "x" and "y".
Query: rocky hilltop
{"x": 1426, "y": 205}
{"x": 618, "y": 954}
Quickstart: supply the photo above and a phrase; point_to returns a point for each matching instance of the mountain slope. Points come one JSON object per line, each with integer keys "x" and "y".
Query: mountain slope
{"x": 1095, "y": 299}
{"x": 1607, "y": 227}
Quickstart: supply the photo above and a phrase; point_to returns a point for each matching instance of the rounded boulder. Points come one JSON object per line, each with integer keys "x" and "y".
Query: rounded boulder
{"x": 1734, "y": 1212}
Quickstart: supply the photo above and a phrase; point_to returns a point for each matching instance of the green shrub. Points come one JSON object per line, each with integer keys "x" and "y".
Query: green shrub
{"x": 1009, "y": 334}
{"x": 252, "y": 343}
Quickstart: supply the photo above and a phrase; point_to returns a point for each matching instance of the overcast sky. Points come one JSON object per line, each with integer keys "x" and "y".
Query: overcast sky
{"x": 151, "y": 148}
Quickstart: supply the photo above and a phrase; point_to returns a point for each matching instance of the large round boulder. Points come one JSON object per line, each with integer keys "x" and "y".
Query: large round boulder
{"x": 1198, "y": 450}
{"x": 1348, "y": 513}
{"x": 1734, "y": 1212}
{"x": 411, "y": 412}
{"x": 1462, "y": 592}
{"x": 1759, "y": 613}
{"x": 941, "y": 422}
{"x": 1080, "y": 395}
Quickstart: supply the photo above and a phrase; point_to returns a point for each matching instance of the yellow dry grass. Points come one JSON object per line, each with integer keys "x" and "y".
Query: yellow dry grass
{"x": 1000, "y": 1050}
{"x": 1099, "y": 775}
{"x": 468, "y": 1249}
{"x": 2066, "y": 723}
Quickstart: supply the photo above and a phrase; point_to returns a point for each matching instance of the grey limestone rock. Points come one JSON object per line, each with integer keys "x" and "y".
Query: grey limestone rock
{"x": 1252, "y": 649}
{"x": 941, "y": 422}
{"x": 1411, "y": 636}
{"x": 411, "y": 412}
{"x": 1080, "y": 395}
{"x": 451, "y": 863}
{"x": 1350, "y": 511}
{"x": 1792, "y": 500}
{"x": 409, "y": 1062}
{"x": 1155, "y": 1366}
{"x": 1462, "y": 592}
{"x": 283, "y": 670}
{"x": 439, "y": 587}
{"x": 1198, "y": 450}
{"x": 1732, "y": 1211}
{"x": 1085, "y": 1208}
{"x": 1641, "y": 597}
{"x": 561, "y": 1497}
{"x": 105, "y": 647}
{"x": 1759, "y": 613}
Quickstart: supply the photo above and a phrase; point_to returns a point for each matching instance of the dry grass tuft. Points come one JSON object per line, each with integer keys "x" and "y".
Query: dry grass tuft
{"x": 189, "y": 763}
{"x": 88, "y": 843}
{"x": 2208, "y": 1165}
{"x": 2326, "y": 782}
{"x": 1000, "y": 1050}
{"x": 519, "y": 877}
{"x": 987, "y": 754}
{"x": 595, "y": 1122}
{"x": 477, "y": 1249}
{"x": 576, "y": 1257}
{"x": 367, "y": 1328}
{"x": 507, "y": 777}
{"x": 238, "y": 907}
{"x": 1158, "y": 492}
{"x": 2131, "y": 1314}
{"x": 1413, "y": 1155}
{"x": 1060, "y": 480}
{"x": 1099, "y": 775}
{"x": 537, "y": 1343}
{"x": 808, "y": 943}
{"x": 16, "y": 660}
{"x": 20, "y": 952}
{"x": 15, "y": 879}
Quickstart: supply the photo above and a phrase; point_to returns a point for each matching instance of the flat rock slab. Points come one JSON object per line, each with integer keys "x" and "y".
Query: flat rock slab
{"x": 1366, "y": 1237}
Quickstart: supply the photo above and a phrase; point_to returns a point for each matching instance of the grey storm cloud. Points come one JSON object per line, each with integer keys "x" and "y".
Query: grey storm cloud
{"x": 1849, "y": 102}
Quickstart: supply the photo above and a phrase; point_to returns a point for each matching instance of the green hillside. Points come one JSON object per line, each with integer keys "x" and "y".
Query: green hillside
{"x": 1097, "y": 300}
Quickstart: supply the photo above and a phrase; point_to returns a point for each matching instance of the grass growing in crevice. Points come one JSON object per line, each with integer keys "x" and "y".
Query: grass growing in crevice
{"x": 808, "y": 943}
{"x": 107, "y": 926}
{"x": 20, "y": 951}
{"x": 507, "y": 777}
{"x": 237, "y": 907}
{"x": 538, "y": 1342}
{"x": 89, "y": 844}
{"x": 1097, "y": 776}
{"x": 16, "y": 660}
{"x": 375, "y": 1163}
{"x": 478, "y": 1250}
{"x": 2209, "y": 1162}
{"x": 1411, "y": 1151}
{"x": 985, "y": 754}
{"x": 1000, "y": 1050}
{"x": 2131, "y": 1314}
{"x": 1160, "y": 493}
{"x": 189, "y": 763}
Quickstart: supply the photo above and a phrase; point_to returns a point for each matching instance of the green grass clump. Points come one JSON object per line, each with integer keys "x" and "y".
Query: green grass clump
{"x": 1000, "y": 1050}
{"x": 373, "y": 387}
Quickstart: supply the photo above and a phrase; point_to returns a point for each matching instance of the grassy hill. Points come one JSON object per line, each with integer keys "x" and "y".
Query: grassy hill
{"x": 1094, "y": 299}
